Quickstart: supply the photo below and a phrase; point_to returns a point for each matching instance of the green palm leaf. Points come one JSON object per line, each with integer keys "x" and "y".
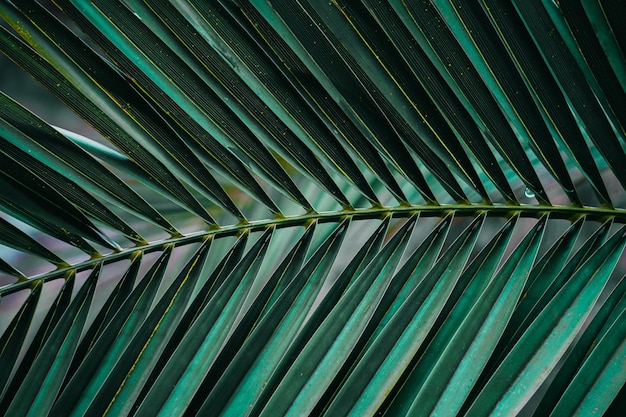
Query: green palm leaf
{"x": 314, "y": 208}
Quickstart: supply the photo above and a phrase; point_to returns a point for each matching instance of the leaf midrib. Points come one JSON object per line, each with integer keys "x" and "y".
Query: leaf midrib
{"x": 461, "y": 210}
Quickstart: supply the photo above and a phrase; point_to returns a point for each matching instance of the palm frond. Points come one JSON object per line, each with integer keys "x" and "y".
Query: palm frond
{"x": 314, "y": 208}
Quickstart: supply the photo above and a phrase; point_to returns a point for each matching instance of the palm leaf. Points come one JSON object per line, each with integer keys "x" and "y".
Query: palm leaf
{"x": 314, "y": 208}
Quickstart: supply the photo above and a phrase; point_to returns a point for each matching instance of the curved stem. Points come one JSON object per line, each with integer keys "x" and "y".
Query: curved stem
{"x": 461, "y": 210}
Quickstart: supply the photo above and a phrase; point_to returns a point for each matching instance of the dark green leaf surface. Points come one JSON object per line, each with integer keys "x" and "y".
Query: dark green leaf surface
{"x": 112, "y": 342}
{"x": 471, "y": 30}
{"x": 597, "y": 383}
{"x": 13, "y": 338}
{"x": 407, "y": 329}
{"x": 544, "y": 283}
{"x": 325, "y": 352}
{"x": 188, "y": 146}
{"x": 56, "y": 310}
{"x": 262, "y": 303}
{"x": 471, "y": 285}
{"x": 426, "y": 24}
{"x": 527, "y": 365}
{"x": 202, "y": 297}
{"x": 175, "y": 387}
{"x": 354, "y": 269}
{"x": 331, "y": 113}
{"x": 30, "y": 199}
{"x": 32, "y": 170}
{"x": 547, "y": 93}
{"x": 242, "y": 382}
{"x": 36, "y": 137}
{"x": 432, "y": 129}
{"x": 606, "y": 316}
{"x": 13, "y": 237}
{"x": 456, "y": 370}
{"x": 40, "y": 386}
{"x": 113, "y": 304}
{"x": 136, "y": 361}
{"x": 115, "y": 127}
{"x": 303, "y": 30}
{"x": 312, "y": 208}
{"x": 590, "y": 57}
{"x": 230, "y": 93}
{"x": 571, "y": 80}
{"x": 441, "y": 93}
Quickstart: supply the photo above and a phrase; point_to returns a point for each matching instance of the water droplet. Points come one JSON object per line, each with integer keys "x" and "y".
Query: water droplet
{"x": 529, "y": 193}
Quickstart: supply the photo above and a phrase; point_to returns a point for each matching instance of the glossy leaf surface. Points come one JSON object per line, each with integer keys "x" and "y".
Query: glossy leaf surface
{"x": 312, "y": 208}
